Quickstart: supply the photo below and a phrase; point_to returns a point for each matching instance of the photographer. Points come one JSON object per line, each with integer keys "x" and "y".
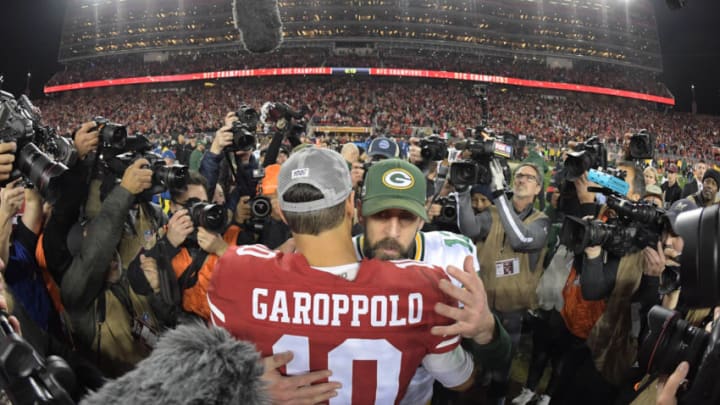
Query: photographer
{"x": 513, "y": 234}
{"x": 239, "y": 164}
{"x": 610, "y": 281}
{"x": 188, "y": 249}
{"x": 512, "y": 241}
{"x": 109, "y": 321}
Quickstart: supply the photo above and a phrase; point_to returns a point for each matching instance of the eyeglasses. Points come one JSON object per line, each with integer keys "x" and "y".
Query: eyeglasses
{"x": 526, "y": 177}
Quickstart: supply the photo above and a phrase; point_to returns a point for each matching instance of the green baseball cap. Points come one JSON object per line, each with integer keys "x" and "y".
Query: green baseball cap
{"x": 394, "y": 183}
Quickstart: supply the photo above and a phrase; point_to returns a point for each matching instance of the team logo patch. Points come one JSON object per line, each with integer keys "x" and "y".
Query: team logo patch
{"x": 300, "y": 173}
{"x": 383, "y": 144}
{"x": 398, "y": 179}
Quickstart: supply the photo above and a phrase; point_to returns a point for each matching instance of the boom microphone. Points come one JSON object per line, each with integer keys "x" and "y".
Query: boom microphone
{"x": 259, "y": 24}
{"x": 192, "y": 364}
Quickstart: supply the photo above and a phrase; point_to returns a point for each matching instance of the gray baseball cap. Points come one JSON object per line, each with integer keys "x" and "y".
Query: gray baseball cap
{"x": 324, "y": 169}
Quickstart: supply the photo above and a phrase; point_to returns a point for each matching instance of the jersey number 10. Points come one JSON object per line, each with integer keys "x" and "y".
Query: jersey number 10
{"x": 340, "y": 361}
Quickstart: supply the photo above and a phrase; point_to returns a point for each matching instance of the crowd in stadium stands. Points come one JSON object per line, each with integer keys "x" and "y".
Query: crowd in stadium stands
{"x": 583, "y": 73}
{"x": 393, "y": 108}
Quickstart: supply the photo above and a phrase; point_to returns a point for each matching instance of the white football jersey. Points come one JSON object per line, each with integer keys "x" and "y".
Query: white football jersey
{"x": 438, "y": 248}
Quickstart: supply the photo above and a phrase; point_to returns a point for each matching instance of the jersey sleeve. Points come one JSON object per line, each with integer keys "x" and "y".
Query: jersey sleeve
{"x": 451, "y": 368}
{"x": 440, "y": 344}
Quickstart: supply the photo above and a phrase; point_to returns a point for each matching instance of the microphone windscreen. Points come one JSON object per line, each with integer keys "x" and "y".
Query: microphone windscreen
{"x": 259, "y": 24}
{"x": 192, "y": 364}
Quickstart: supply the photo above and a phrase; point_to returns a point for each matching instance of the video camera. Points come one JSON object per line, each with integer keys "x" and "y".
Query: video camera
{"x": 590, "y": 154}
{"x": 41, "y": 156}
{"x": 642, "y": 145}
{"x": 670, "y": 339}
{"x": 433, "y": 148}
{"x": 25, "y": 377}
{"x": 636, "y": 226}
{"x": 476, "y": 169}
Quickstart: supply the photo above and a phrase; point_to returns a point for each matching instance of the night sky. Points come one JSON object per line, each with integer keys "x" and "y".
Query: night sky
{"x": 689, "y": 39}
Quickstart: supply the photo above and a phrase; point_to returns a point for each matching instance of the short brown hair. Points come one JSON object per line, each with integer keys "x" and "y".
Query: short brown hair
{"x": 312, "y": 222}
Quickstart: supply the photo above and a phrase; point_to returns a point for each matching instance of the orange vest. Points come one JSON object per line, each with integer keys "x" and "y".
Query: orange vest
{"x": 50, "y": 283}
{"x": 195, "y": 298}
{"x": 578, "y": 313}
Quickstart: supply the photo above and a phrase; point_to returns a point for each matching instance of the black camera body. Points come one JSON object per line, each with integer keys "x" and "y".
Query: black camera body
{"x": 448, "y": 210}
{"x": 260, "y": 210}
{"x": 476, "y": 169}
{"x": 212, "y": 217}
{"x": 244, "y": 130}
{"x": 164, "y": 177}
{"x": 670, "y": 339}
{"x": 433, "y": 148}
{"x": 637, "y": 225}
{"x": 111, "y": 134}
{"x": 642, "y": 145}
{"x": 590, "y": 154}
{"x": 34, "y": 160}
{"x": 27, "y": 378}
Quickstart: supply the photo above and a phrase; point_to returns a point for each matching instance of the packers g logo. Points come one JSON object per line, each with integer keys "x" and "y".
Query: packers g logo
{"x": 398, "y": 179}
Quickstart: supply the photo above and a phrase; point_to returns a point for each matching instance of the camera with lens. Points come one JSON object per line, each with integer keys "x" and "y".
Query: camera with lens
{"x": 260, "y": 210}
{"x": 112, "y": 135}
{"x": 433, "y": 148}
{"x": 636, "y": 226}
{"x": 212, "y": 217}
{"x": 34, "y": 160}
{"x": 448, "y": 210}
{"x": 285, "y": 118}
{"x": 642, "y": 145}
{"x": 164, "y": 178}
{"x": 476, "y": 169}
{"x": 670, "y": 339}
{"x": 244, "y": 130}
{"x": 27, "y": 378}
{"x": 590, "y": 154}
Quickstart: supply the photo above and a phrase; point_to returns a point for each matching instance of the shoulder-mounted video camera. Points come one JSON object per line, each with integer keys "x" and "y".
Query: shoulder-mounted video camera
{"x": 642, "y": 145}
{"x": 433, "y": 148}
{"x": 636, "y": 225}
{"x": 476, "y": 169}
{"x": 590, "y": 154}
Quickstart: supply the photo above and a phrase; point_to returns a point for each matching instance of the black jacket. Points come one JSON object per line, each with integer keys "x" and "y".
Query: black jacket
{"x": 691, "y": 187}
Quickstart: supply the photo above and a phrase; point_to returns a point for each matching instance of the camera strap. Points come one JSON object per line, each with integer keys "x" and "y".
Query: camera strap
{"x": 189, "y": 277}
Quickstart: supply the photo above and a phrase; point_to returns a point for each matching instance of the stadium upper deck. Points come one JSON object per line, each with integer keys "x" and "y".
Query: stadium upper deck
{"x": 608, "y": 31}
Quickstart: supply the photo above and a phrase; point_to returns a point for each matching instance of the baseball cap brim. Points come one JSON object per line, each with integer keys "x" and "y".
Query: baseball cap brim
{"x": 375, "y": 205}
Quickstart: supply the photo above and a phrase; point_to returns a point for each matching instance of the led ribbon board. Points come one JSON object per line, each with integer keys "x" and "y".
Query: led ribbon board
{"x": 339, "y": 71}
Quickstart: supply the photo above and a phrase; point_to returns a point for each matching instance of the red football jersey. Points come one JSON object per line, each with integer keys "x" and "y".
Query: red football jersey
{"x": 372, "y": 332}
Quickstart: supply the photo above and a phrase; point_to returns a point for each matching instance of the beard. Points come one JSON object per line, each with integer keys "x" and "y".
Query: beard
{"x": 707, "y": 195}
{"x": 374, "y": 250}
